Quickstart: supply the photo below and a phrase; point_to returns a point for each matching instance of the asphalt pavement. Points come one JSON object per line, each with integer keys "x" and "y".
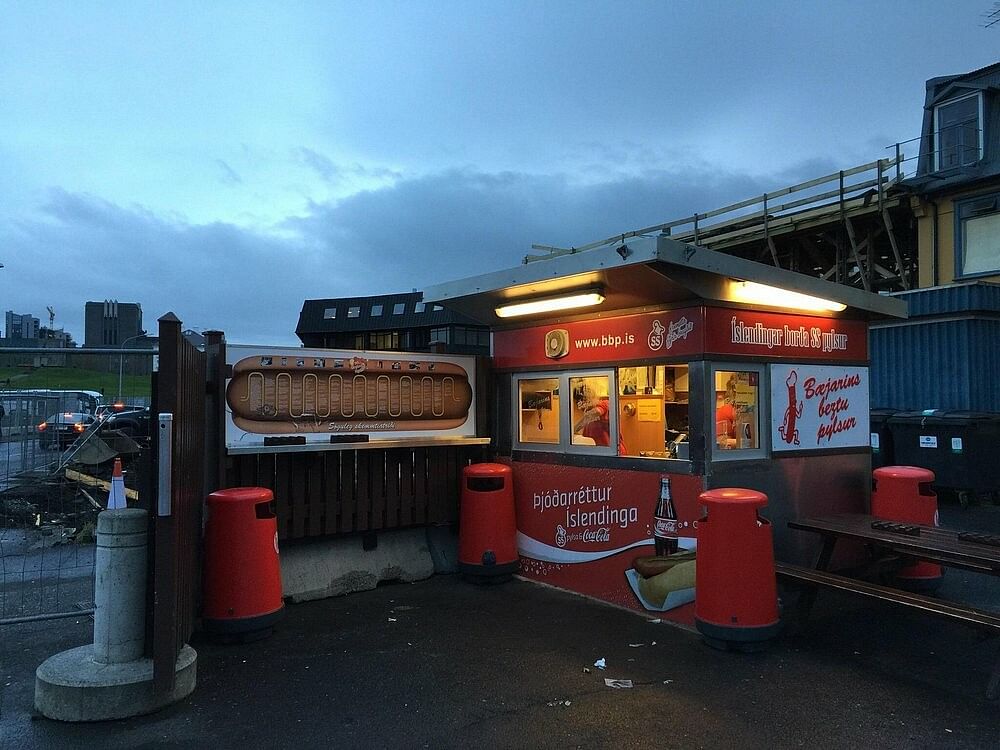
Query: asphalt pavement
{"x": 446, "y": 664}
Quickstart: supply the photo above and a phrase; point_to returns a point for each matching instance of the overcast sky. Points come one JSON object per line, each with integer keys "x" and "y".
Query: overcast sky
{"x": 228, "y": 162}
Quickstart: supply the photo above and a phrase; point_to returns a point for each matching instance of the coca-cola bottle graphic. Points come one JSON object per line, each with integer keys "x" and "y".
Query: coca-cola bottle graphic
{"x": 665, "y": 521}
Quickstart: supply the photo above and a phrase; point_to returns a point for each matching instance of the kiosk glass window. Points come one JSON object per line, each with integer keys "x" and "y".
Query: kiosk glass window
{"x": 638, "y": 412}
{"x": 539, "y": 409}
{"x": 738, "y": 411}
{"x": 572, "y": 412}
{"x": 591, "y": 410}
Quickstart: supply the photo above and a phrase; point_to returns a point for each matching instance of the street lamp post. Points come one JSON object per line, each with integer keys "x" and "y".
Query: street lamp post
{"x": 121, "y": 360}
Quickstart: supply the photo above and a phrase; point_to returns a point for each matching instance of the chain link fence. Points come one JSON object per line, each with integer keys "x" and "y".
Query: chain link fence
{"x": 61, "y": 429}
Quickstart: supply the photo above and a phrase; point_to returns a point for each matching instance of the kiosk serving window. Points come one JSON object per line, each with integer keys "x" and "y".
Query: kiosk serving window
{"x": 738, "y": 394}
{"x": 591, "y": 415}
{"x": 539, "y": 400}
{"x": 575, "y": 411}
{"x": 639, "y": 411}
{"x": 653, "y": 409}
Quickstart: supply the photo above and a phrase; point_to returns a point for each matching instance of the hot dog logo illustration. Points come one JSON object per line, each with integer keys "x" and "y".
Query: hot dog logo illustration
{"x": 275, "y": 395}
{"x": 787, "y": 429}
{"x": 661, "y": 337}
{"x": 655, "y": 338}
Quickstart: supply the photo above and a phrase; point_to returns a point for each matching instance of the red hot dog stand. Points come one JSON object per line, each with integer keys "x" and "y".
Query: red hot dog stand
{"x": 677, "y": 369}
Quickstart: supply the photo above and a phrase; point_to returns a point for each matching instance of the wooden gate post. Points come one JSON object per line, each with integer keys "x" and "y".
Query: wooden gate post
{"x": 215, "y": 411}
{"x": 177, "y": 523}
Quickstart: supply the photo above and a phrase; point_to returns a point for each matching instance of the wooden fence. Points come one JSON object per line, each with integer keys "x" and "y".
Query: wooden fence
{"x": 349, "y": 491}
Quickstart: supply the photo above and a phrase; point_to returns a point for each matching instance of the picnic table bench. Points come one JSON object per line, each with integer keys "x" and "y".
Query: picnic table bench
{"x": 960, "y": 549}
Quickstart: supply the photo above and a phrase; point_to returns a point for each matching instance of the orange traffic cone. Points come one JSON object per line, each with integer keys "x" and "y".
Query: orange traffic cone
{"x": 116, "y": 498}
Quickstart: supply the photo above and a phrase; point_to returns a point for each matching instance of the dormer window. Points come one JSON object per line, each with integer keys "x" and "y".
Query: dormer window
{"x": 958, "y": 128}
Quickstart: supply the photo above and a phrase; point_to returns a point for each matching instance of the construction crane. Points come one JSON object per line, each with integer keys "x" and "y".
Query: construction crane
{"x": 52, "y": 317}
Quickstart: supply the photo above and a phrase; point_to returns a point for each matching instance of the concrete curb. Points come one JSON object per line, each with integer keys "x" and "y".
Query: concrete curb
{"x": 340, "y": 566}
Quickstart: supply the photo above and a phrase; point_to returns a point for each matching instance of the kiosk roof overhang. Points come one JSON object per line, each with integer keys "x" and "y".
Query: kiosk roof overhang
{"x": 645, "y": 272}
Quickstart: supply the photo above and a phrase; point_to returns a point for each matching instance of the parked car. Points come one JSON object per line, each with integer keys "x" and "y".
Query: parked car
{"x": 132, "y": 421}
{"x": 60, "y": 430}
{"x": 106, "y": 410}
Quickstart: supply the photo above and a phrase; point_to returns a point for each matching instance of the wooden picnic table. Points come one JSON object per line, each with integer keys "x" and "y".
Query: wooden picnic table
{"x": 944, "y": 546}
{"x": 961, "y": 549}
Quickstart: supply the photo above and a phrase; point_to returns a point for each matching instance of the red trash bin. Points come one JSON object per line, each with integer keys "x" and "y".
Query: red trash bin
{"x": 241, "y": 590}
{"x": 905, "y": 494}
{"x": 487, "y": 532}
{"x": 736, "y": 593}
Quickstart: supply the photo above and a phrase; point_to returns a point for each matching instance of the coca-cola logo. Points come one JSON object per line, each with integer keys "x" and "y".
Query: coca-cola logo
{"x": 587, "y": 536}
{"x": 665, "y": 527}
{"x": 592, "y": 536}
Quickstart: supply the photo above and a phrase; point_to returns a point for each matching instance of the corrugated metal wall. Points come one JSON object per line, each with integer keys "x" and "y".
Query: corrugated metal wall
{"x": 946, "y": 356}
{"x": 957, "y": 298}
{"x": 938, "y": 364}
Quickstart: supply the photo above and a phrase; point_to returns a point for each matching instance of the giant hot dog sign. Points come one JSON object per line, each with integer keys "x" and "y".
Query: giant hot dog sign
{"x": 815, "y": 407}
{"x": 316, "y": 393}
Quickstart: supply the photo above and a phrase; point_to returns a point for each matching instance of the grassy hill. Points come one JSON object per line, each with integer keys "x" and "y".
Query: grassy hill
{"x": 74, "y": 378}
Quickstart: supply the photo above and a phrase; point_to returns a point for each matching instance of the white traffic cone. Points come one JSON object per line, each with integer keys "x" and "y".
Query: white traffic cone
{"x": 116, "y": 498}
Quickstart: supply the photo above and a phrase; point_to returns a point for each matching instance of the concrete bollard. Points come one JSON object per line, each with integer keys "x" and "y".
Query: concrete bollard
{"x": 110, "y": 678}
{"x": 120, "y": 585}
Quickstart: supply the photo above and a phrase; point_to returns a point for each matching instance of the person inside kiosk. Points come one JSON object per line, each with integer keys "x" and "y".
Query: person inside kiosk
{"x": 637, "y": 411}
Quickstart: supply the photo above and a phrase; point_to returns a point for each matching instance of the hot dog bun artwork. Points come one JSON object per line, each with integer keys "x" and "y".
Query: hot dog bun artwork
{"x": 279, "y": 395}
{"x": 665, "y": 582}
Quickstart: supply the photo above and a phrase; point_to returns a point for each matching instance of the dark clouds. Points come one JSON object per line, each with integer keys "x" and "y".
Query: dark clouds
{"x": 204, "y": 157}
{"x": 80, "y": 248}
{"x": 463, "y": 222}
{"x": 411, "y": 234}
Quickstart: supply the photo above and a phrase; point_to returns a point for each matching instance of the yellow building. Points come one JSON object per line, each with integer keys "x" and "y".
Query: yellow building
{"x": 955, "y": 193}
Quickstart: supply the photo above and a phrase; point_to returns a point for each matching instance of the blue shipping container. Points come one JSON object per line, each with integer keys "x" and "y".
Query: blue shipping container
{"x": 945, "y": 356}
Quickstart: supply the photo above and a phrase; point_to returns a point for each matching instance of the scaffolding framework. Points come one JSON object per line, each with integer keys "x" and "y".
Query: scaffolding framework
{"x": 853, "y": 227}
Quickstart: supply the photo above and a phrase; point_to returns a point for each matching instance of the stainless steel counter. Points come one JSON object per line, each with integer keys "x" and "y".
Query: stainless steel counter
{"x": 422, "y": 442}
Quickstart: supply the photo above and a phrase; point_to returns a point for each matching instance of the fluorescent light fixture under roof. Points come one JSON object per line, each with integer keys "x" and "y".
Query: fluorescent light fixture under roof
{"x": 752, "y": 293}
{"x": 582, "y": 298}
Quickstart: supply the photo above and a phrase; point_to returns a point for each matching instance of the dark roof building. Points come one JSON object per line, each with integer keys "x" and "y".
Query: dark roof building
{"x": 956, "y": 188}
{"x": 960, "y": 133}
{"x": 389, "y": 322}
